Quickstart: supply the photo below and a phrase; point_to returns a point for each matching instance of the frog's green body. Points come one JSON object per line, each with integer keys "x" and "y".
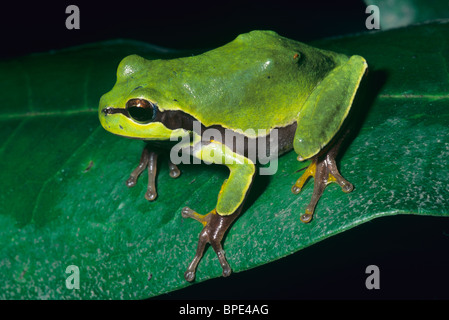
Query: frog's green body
{"x": 257, "y": 83}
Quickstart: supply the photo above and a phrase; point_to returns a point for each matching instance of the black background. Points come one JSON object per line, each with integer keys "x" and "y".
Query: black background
{"x": 411, "y": 252}
{"x": 40, "y": 25}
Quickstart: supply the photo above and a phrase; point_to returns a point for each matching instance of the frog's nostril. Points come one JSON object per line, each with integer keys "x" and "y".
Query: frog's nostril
{"x": 107, "y": 110}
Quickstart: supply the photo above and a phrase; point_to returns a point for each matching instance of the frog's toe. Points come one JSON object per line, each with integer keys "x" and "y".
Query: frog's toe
{"x": 145, "y": 159}
{"x": 310, "y": 172}
{"x": 306, "y": 217}
{"x": 186, "y": 212}
{"x": 131, "y": 182}
{"x": 189, "y": 275}
{"x": 345, "y": 185}
{"x": 227, "y": 271}
{"x": 223, "y": 262}
{"x": 174, "y": 170}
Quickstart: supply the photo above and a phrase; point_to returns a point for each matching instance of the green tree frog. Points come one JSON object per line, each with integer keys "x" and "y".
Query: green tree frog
{"x": 257, "y": 85}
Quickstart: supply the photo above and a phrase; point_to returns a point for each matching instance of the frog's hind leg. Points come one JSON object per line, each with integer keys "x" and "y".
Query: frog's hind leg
{"x": 324, "y": 170}
{"x": 214, "y": 229}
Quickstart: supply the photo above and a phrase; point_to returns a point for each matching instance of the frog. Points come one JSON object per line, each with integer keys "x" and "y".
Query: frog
{"x": 258, "y": 86}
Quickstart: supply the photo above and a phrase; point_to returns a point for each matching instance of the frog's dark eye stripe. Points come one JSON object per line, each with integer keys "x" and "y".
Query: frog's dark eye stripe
{"x": 141, "y": 110}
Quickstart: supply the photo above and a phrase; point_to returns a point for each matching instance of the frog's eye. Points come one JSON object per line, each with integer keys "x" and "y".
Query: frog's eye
{"x": 141, "y": 110}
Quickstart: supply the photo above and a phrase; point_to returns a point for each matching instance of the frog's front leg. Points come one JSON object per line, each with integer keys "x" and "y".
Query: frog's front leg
{"x": 324, "y": 171}
{"x": 148, "y": 160}
{"x": 229, "y": 205}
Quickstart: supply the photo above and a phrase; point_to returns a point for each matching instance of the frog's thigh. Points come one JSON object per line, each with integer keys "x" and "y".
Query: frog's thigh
{"x": 235, "y": 188}
{"x": 327, "y": 107}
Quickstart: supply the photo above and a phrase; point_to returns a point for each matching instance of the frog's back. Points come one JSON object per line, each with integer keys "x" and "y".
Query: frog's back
{"x": 258, "y": 81}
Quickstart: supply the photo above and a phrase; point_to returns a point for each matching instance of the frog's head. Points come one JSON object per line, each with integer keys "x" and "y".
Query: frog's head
{"x": 134, "y": 108}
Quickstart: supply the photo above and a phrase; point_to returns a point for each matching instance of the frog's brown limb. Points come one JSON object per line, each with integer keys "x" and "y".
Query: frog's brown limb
{"x": 148, "y": 160}
{"x": 324, "y": 170}
{"x": 215, "y": 227}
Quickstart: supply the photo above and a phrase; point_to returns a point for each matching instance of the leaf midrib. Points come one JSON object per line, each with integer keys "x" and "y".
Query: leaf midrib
{"x": 12, "y": 116}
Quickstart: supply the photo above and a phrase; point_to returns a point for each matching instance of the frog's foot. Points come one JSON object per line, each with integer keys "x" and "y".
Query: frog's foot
{"x": 214, "y": 229}
{"x": 325, "y": 171}
{"x": 148, "y": 160}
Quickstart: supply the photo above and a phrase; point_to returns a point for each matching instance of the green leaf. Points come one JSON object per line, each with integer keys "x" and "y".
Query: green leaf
{"x": 65, "y": 202}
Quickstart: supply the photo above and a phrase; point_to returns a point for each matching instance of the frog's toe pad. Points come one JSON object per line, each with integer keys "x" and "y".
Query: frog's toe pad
{"x": 174, "y": 171}
{"x": 306, "y": 217}
{"x": 151, "y": 195}
{"x": 131, "y": 182}
{"x": 189, "y": 275}
{"x": 186, "y": 212}
{"x": 346, "y": 186}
